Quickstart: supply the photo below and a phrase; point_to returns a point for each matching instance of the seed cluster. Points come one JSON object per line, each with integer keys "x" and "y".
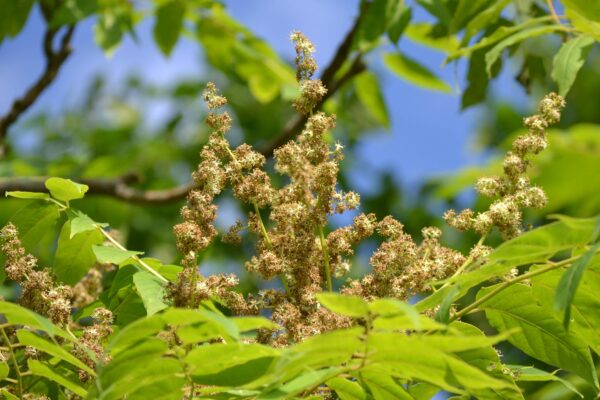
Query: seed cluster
{"x": 513, "y": 189}
{"x": 292, "y": 244}
{"x": 91, "y": 342}
{"x": 39, "y": 291}
{"x": 401, "y": 267}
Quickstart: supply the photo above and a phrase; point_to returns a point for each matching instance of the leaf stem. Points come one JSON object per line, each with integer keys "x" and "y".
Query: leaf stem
{"x": 15, "y": 363}
{"x": 505, "y": 285}
{"x": 465, "y": 264}
{"x": 553, "y": 11}
{"x": 325, "y": 250}
{"x": 263, "y": 230}
{"x": 136, "y": 258}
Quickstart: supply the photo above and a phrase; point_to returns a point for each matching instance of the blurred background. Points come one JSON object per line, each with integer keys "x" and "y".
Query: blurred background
{"x": 416, "y": 137}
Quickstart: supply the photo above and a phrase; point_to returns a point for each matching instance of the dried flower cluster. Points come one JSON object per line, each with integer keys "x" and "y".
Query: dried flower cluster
{"x": 401, "y": 267}
{"x": 513, "y": 187}
{"x": 39, "y": 292}
{"x": 293, "y": 245}
{"x": 91, "y": 341}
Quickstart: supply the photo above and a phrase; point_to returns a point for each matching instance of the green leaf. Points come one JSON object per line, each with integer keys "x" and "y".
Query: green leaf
{"x": 65, "y": 189}
{"x": 263, "y": 86}
{"x": 443, "y": 313}
{"x": 351, "y": 306}
{"x": 74, "y": 256}
{"x": 395, "y": 315}
{"x": 80, "y": 222}
{"x": 110, "y": 27}
{"x": 17, "y": 315}
{"x": 28, "y": 195}
{"x": 496, "y": 36}
{"x": 483, "y": 19}
{"x": 301, "y": 383}
{"x": 113, "y": 255}
{"x": 537, "y": 245}
{"x": 29, "y": 338}
{"x": 530, "y": 374}
{"x": 151, "y": 291}
{"x": 231, "y": 364}
{"x": 588, "y": 9}
{"x": 398, "y": 25}
{"x": 70, "y": 12}
{"x": 413, "y": 72}
{"x": 13, "y": 17}
{"x": 169, "y": 22}
{"x": 424, "y": 33}
{"x": 568, "y": 61}
{"x": 6, "y": 395}
{"x": 41, "y": 369}
{"x": 486, "y": 359}
{"x": 378, "y": 17}
{"x": 569, "y": 282}
{"x": 320, "y": 351}
{"x": 4, "y": 370}
{"x": 369, "y": 93}
{"x": 541, "y": 335}
{"x": 245, "y": 324}
{"x": 346, "y": 389}
{"x": 585, "y": 318}
{"x": 419, "y": 357}
{"x": 36, "y": 222}
{"x": 142, "y": 372}
{"x": 492, "y": 55}
{"x": 383, "y": 387}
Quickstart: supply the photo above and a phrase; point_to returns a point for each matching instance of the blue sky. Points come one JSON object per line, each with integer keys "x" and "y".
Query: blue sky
{"x": 429, "y": 134}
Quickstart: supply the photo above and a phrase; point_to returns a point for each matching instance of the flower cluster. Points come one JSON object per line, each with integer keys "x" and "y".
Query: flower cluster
{"x": 402, "y": 268}
{"x": 91, "y": 341}
{"x": 39, "y": 292}
{"x": 312, "y": 91}
{"x": 292, "y": 244}
{"x": 513, "y": 187}
{"x": 219, "y": 166}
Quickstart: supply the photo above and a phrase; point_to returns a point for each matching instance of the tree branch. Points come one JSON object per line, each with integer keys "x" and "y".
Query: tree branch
{"x": 54, "y": 60}
{"x": 120, "y": 188}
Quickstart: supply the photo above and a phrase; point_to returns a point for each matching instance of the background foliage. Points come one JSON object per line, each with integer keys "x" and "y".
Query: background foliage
{"x": 138, "y": 176}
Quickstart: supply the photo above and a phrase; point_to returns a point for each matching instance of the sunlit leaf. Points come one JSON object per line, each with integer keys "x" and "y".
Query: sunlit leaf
{"x": 541, "y": 335}
{"x": 151, "y": 291}
{"x": 74, "y": 255}
{"x": 568, "y": 61}
{"x": 351, "y": 306}
{"x": 113, "y": 255}
{"x": 414, "y": 73}
{"x": 169, "y": 21}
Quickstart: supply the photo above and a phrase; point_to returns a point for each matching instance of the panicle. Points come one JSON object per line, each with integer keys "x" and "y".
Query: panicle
{"x": 39, "y": 291}
{"x": 312, "y": 91}
{"x": 92, "y": 341}
{"x": 513, "y": 190}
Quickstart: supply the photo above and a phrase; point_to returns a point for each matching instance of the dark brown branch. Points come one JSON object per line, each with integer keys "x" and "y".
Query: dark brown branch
{"x": 54, "y": 60}
{"x": 120, "y": 187}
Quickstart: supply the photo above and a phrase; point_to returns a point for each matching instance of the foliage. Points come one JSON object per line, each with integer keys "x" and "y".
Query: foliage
{"x": 104, "y": 321}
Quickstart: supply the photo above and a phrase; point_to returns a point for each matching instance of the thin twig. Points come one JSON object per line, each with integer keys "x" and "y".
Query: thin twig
{"x": 118, "y": 187}
{"x": 553, "y": 11}
{"x": 54, "y": 60}
{"x": 549, "y": 267}
{"x": 15, "y": 363}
